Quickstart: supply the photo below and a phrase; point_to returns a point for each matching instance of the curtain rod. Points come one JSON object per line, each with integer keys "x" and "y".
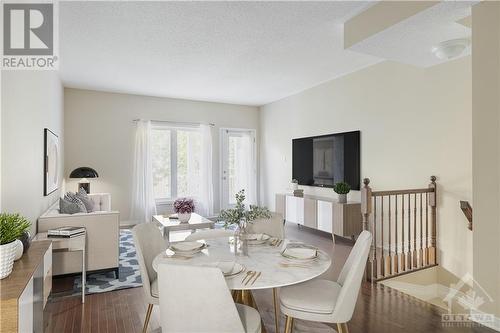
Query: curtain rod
{"x": 174, "y": 122}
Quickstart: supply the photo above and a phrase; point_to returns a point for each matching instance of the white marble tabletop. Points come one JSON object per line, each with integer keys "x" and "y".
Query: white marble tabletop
{"x": 262, "y": 258}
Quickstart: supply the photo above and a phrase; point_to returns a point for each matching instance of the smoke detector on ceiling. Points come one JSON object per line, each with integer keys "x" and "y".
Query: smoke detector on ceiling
{"x": 451, "y": 48}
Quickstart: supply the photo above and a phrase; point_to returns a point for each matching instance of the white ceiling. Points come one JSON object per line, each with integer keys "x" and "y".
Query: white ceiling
{"x": 411, "y": 41}
{"x": 248, "y": 53}
{"x": 235, "y": 52}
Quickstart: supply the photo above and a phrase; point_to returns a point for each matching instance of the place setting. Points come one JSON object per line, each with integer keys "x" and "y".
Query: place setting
{"x": 299, "y": 255}
{"x": 184, "y": 250}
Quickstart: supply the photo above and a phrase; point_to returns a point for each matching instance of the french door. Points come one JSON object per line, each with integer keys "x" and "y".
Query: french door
{"x": 238, "y": 165}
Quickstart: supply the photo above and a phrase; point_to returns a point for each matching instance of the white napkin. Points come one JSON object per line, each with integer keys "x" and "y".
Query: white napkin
{"x": 300, "y": 252}
{"x": 186, "y": 246}
{"x": 226, "y": 266}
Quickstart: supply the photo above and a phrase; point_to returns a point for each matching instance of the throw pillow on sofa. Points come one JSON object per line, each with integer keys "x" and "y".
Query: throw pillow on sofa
{"x": 82, "y": 195}
{"x": 71, "y": 197}
{"x": 68, "y": 207}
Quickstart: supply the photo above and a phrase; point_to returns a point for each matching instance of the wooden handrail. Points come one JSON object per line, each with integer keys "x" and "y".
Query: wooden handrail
{"x": 467, "y": 209}
{"x": 397, "y": 192}
{"x": 403, "y": 224}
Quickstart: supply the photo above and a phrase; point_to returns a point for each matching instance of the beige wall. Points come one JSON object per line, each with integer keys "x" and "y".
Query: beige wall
{"x": 414, "y": 123}
{"x": 31, "y": 101}
{"x": 486, "y": 148}
{"x": 100, "y": 134}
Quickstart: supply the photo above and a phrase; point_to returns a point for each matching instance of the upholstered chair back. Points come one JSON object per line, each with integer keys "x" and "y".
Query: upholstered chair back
{"x": 196, "y": 299}
{"x": 148, "y": 244}
{"x": 350, "y": 278}
{"x": 273, "y": 227}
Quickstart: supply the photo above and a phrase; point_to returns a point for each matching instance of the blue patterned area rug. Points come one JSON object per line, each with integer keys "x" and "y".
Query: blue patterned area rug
{"x": 129, "y": 274}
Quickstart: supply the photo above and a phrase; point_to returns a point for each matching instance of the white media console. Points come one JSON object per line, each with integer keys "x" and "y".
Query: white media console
{"x": 322, "y": 213}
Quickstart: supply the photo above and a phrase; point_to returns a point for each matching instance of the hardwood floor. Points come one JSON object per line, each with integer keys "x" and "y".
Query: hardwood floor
{"x": 379, "y": 308}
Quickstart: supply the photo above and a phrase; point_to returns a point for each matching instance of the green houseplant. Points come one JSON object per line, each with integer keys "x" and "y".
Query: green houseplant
{"x": 240, "y": 217}
{"x": 12, "y": 227}
{"x": 342, "y": 188}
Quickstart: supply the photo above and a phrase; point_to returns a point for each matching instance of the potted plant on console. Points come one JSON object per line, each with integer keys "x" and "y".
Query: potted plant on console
{"x": 12, "y": 227}
{"x": 184, "y": 207}
{"x": 342, "y": 189}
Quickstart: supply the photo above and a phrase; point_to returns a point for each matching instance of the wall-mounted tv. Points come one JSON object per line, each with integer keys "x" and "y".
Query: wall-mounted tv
{"x": 327, "y": 159}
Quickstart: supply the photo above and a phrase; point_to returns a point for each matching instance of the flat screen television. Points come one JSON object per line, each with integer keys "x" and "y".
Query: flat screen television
{"x": 327, "y": 159}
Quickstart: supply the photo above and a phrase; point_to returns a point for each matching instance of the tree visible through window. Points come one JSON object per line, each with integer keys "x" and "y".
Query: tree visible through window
{"x": 176, "y": 162}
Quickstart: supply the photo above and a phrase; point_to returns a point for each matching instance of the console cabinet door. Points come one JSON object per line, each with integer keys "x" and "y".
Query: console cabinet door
{"x": 325, "y": 220}
{"x": 25, "y": 311}
{"x": 310, "y": 213}
{"x": 294, "y": 209}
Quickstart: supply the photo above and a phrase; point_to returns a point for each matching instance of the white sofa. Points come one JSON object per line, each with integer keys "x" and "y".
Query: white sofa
{"x": 103, "y": 236}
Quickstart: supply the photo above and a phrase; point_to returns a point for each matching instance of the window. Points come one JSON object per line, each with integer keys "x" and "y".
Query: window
{"x": 176, "y": 158}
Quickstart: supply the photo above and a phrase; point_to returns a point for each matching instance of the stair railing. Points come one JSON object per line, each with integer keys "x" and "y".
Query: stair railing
{"x": 403, "y": 224}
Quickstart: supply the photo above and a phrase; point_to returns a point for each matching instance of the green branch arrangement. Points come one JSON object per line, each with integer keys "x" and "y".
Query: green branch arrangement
{"x": 12, "y": 227}
{"x": 240, "y": 214}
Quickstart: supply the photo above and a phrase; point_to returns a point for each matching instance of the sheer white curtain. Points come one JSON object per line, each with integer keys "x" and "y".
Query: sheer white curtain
{"x": 245, "y": 167}
{"x": 206, "y": 192}
{"x": 143, "y": 205}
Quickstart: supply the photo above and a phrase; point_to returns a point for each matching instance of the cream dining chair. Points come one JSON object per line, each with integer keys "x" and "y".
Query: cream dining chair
{"x": 273, "y": 226}
{"x": 195, "y": 299}
{"x": 148, "y": 243}
{"x": 327, "y": 301}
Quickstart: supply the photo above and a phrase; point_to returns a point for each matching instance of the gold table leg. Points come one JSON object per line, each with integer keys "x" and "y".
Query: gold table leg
{"x": 276, "y": 310}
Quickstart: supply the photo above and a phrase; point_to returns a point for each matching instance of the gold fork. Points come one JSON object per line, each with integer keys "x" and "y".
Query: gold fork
{"x": 250, "y": 275}
{"x": 256, "y": 277}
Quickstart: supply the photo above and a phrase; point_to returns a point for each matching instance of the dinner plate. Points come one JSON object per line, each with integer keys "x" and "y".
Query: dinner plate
{"x": 257, "y": 239}
{"x": 300, "y": 253}
{"x": 237, "y": 269}
{"x": 187, "y": 246}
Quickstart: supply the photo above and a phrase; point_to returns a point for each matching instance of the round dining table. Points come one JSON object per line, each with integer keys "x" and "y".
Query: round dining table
{"x": 275, "y": 270}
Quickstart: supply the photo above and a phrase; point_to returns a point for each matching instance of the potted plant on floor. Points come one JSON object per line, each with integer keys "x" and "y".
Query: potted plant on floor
{"x": 342, "y": 189}
{"x": 12, "y": 227}
{"x": 240, "y": 217}
{"x": 184, "y": 207}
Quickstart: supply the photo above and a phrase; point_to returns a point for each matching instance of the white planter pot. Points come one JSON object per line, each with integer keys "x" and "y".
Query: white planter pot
{"x": 342, "y": 198}
{"x": 294, "y": 186}
{"x": 7, "y": 255}
{"x": 184, "y": 217}
{"x": 19, "y": 249}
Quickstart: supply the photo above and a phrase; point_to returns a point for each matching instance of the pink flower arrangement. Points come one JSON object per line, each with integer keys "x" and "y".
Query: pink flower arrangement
{"x": 184, "y": 205}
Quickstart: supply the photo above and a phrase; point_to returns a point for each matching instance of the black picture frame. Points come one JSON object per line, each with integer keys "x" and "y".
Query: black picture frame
{"x": 51, "y": 167}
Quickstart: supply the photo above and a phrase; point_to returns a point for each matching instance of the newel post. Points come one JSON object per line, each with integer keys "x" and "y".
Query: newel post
{"x": 366, "y": 202}
{"x": 432, "y": 204}
{"x": 366, "y": 210}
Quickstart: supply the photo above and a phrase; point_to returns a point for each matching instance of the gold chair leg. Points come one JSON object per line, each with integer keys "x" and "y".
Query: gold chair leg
{"x": 288, "y": 324}
{"x": 148, "y": 315}
{"x": 342, "y": 328}
{"x": 276, "y": 310}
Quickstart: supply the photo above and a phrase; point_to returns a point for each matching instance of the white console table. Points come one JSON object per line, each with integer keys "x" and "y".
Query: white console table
{"x": 322, "y": 213}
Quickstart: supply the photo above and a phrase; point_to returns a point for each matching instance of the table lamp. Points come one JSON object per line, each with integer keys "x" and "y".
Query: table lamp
{"x": 83, "y": 173}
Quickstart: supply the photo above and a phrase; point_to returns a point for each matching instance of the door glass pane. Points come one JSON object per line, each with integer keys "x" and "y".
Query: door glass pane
{"x": 188, "y": 163}
{"x": 161, "y": 163}
{"x": 237, "y": 180}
